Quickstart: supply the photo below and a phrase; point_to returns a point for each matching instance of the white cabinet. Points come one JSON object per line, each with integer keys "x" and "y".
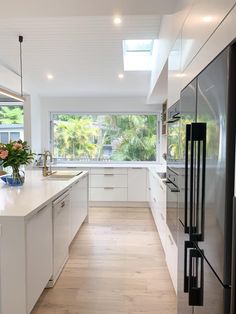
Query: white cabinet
{"x": 78, "y": 205}
{"x": 39, "y": 254}
{"x": 157, "y": 203}
{"x": 137, "y": 185}
{"x": 171, "y": 257}
{"x": 108, "y": 194}
{"x": 108, "y": 180}
{"x": 108, "y": 184}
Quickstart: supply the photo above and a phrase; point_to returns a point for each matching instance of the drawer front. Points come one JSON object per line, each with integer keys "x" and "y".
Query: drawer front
{"x": 108, "y": 170}
{"x": 108, "y": 180}
{"x": 108, "y": 194}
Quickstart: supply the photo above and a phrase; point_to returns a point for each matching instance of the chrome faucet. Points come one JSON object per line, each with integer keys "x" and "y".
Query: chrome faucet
{"x": 47, "y": 171}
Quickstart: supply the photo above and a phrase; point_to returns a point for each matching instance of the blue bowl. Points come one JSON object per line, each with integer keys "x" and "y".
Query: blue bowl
{"x": 4, "y": 177}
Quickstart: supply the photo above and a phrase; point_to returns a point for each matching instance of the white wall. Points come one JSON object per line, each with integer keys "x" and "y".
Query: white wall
{"x": 36, "y": 132}
{"x": 89, "y": 105}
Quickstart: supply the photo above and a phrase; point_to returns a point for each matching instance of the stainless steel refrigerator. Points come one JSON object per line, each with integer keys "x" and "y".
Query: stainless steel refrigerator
{"x": 207, "y": 161}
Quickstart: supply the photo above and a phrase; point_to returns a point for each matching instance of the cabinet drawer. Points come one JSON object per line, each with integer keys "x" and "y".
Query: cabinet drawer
{"x": 171, "y": 257}
{"x": 108, "y": 180}
{"x": 108, "y": 170}
{"x": 108, "y": 194}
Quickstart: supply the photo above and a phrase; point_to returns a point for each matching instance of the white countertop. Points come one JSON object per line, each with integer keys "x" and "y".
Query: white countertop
{"x": 160, "y": 167}
{"x": 34, "y": 194}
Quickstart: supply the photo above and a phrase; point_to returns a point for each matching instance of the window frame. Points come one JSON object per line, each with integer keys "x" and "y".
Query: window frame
{"x": 158, "y": 134}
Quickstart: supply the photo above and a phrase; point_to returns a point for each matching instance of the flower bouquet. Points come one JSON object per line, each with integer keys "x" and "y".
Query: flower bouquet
{"x": 15, "y": 154}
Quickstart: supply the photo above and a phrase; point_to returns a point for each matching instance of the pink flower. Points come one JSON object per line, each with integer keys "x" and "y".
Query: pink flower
{"x": 17, "y": 146}
{"x": 3, "y": 154}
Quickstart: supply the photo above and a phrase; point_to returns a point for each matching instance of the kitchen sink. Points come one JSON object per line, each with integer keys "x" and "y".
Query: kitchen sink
{"x": 62, "y": 175}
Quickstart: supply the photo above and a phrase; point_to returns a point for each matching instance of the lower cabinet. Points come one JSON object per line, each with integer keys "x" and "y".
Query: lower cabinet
{"x": 34, "y": 248}
{"x": 108, "y": 194}
{"x": 78, "y": 205}
{"x": 39, "y": 254}
{"x": 157, "y": 203}
{"x": 171, "y": 257}
{"x": 137, "y": 190}
{"x": 156, "y": 190}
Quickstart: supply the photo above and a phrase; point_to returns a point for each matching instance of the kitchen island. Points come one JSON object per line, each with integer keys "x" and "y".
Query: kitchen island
{"x": 38, "y": 221}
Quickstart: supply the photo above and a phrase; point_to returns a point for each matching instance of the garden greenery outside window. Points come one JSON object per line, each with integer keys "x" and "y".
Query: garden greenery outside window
{"x": 104, "y": 137}
{"x": 11, "y": 122}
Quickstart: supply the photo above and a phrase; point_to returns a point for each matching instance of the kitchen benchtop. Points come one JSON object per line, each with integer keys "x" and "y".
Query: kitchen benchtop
{"x": 158, "y": 167}
{"x": 36, "y": 192}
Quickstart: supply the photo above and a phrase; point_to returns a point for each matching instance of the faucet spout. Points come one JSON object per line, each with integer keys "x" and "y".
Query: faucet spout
{"x": 47, "y": 171}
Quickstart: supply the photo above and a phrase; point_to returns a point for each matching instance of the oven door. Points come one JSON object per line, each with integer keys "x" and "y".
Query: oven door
{"x": 172, "y": 202}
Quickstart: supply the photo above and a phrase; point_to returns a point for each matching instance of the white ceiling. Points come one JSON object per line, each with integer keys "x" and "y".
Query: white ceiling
{"x": 83, "y": 52}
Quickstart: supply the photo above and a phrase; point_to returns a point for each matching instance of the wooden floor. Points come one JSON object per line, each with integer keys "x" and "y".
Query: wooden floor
{"x": 116, "y": 266}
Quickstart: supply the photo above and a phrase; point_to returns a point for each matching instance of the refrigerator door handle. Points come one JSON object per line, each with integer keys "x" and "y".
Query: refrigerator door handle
{"x": 186, "y": 187}
{"x": 196, "y": 278}
{"x": 187, "y": 246}
{"x": 197, "y": 181}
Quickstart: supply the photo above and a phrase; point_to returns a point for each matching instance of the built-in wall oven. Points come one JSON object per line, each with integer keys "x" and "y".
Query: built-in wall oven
{"x": 172, "y": 202}
{"x": 173, "y": 168}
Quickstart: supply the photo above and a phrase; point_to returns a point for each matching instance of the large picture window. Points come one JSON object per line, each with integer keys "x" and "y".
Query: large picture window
{"x": 112, "y": 137}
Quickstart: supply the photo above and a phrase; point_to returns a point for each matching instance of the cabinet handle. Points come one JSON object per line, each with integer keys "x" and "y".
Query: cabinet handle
{"x": 136, "y": 167}
{"x": 149, "y": 189}
{"x": 62, "y": 204}
{"x": 154, "y": 200}
{"x": 108, "y": 174}
{"x": 171, "y": 242}
{"x": 108, "y": 188}
{"x": 161, "y": 187}
{"x": 162, "y": 217}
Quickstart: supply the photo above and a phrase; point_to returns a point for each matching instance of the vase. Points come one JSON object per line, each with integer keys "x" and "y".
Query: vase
{"x": 17, "y": 178}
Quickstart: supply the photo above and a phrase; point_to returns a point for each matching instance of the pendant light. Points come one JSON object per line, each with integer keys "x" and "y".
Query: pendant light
{"x": 9, "y": 96}
{"x": 21, "y": 65}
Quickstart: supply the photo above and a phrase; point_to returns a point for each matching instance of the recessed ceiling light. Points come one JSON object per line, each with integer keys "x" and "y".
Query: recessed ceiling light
{"x": 50, "y": 76}
{"x": 117, "y": 20}
{"x": 180, "y": 75}
{"x": 207, "y": 19}
{"x": 120, "y": 76}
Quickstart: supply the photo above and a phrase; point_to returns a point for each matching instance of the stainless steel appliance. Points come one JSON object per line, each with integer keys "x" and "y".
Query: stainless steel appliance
{"x": 172, "y": 201}
{"x": 172, "y": 172}
{"x": 207, "y": 160}
{"x": 60, "y": 235}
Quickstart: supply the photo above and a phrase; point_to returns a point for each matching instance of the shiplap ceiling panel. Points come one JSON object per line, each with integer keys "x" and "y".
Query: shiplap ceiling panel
{"x": 83, "y": 53}
{"x": 43, "y": 8}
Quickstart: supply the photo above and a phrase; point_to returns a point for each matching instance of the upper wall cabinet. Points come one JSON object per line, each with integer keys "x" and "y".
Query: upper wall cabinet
{"x": 203, "y": 19}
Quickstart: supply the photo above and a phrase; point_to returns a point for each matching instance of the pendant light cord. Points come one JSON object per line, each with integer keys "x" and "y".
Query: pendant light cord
{"x": 21, "y": 65}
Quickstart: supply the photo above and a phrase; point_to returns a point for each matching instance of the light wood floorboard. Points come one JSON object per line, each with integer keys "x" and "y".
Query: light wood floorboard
{"x": 116, "y": 266}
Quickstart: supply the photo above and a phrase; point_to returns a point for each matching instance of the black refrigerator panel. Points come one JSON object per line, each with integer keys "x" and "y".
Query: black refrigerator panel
{"x": 188, "y": 116}
{"x": 183, "y": 306}
{"x": 215, "y": 111}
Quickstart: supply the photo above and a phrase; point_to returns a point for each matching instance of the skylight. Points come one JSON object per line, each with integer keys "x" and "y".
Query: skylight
{"x": 137, "y": 55}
